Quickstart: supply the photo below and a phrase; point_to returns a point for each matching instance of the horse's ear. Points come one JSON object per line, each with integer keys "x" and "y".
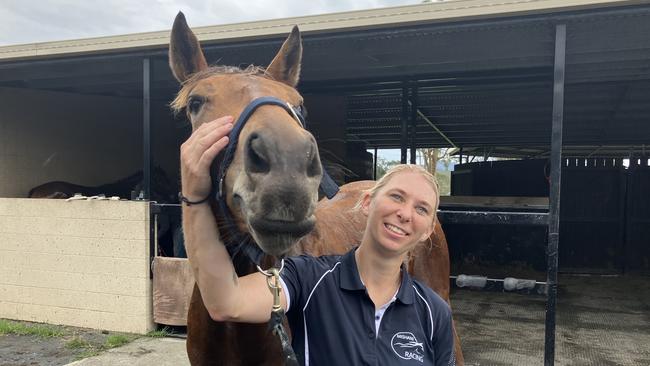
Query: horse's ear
{"x": 185, "y": 55}
{"x": 285, "y": 67}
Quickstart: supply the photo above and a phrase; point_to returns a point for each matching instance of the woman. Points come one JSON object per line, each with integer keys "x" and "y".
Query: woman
{"x": 361, "y": 308}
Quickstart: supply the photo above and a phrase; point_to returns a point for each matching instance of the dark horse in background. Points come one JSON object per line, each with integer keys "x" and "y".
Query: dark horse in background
{"x": 271, "y": 183}
{"x": 162, "y": 188}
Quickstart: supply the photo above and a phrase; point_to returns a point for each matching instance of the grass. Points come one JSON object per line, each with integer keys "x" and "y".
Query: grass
{"x": 43, "y": 331}
{"x": 159, "y": 333}
{"x": 90, "y": 352}
{"x": 88, "y": 349}
{"x": 77, "y": 343}
{"x": 116, "y": 340}
{"x": 82, "y": 347}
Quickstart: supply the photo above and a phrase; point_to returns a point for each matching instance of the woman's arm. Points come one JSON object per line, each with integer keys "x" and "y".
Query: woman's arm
{"x": 226, "y": 297}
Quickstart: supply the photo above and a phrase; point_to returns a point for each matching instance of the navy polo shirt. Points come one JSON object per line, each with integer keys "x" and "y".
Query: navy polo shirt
{"x": 333, "y": 320}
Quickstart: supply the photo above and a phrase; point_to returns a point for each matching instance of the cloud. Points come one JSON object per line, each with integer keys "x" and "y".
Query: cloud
{"x": 29, "y": 21}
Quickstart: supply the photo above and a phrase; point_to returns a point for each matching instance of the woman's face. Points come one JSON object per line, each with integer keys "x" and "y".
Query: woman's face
{"x": 401, "y": 213}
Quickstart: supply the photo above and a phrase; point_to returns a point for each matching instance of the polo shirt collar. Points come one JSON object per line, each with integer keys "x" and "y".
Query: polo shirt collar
{"x": 351, "y": 280}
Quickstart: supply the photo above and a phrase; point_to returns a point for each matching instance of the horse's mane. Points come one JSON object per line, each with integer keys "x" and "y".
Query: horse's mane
{"x": 182, "y": 98}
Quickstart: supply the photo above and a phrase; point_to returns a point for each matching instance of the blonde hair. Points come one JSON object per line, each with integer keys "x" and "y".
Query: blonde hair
{"x": 408, "y": 168}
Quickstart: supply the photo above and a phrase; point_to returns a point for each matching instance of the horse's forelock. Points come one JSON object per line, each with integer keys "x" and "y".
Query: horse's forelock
{"x": 180, "y": 102}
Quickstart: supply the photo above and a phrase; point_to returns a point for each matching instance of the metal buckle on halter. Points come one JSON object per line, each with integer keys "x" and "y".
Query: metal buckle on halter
{"x": 273, "y": 282}
{"x": 294, "y": 114}
{"x": 220, "y": 192}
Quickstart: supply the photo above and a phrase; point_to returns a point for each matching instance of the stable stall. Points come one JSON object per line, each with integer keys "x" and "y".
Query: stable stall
{"x": 509, "y": 79}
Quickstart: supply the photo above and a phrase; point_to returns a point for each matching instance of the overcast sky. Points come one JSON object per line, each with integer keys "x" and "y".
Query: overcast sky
{"x": 29, "y": 21}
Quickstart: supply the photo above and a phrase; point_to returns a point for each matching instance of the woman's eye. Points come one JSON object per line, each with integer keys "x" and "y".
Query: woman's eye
{"x": 396, "y": 197}
{"x": 195, "y": 104}
{"x": 422, "y": 210}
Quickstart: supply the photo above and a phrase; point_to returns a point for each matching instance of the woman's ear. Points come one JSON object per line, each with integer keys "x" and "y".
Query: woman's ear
{"x": 365, "y": 203}
{"x": 428, "y": 233}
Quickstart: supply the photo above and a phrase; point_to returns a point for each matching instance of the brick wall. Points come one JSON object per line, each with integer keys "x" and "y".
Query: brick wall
{"x": 80, "y": 263}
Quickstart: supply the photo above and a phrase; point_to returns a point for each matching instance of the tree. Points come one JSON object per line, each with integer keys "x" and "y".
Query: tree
{"x": 383, "y": 165}
{"x": 430, "y": 158}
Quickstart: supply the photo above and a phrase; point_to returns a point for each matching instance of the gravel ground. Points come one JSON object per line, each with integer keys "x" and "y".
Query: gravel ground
{"x": 72, "y": 344}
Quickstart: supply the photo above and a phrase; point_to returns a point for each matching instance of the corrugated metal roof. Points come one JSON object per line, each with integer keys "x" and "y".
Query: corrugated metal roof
{"x": 482, "y": 83}
{"x": 448, "y": 11}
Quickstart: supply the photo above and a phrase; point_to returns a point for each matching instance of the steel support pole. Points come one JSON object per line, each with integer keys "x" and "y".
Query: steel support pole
{"x": 374, "y": 168}
{"x": 146, "y": 127}
{"x": 146, "y": 155}
{"x": 554, "y": 204}
{"x": 414, "y": 120}
{"x": 405, "y": 118}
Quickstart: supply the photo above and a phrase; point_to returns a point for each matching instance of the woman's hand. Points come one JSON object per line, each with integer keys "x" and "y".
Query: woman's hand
{"x": 197, "y": 154}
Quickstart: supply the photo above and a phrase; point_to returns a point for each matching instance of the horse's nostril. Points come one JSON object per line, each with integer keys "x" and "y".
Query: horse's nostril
{"x": 314, "y": 167}
{"x": 257, "y": 155}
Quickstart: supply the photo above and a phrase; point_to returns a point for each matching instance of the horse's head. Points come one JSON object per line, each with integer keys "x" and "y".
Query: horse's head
{"x": 271, "y": 186}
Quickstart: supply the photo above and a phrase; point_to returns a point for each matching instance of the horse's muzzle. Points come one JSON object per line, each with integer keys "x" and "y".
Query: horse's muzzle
{"x": 278, "y": 227}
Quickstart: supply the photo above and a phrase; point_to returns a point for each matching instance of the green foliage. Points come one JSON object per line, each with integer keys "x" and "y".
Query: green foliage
{"x": 84, "y": 348}
{"x": 77, "y": 343}
{"x": 89, "y": 352}
{"x": 444, "y": 182}
{"x": 384, "y": 165}
{"x": 44, "y": 331}
{"x": 116, "y": 340}
{"x": 159, "y": 333}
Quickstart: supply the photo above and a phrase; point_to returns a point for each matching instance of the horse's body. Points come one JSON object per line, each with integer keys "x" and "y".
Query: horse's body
{"x": 163, "y": 190}
{"x": 59, "y": 189}
{"x": 272, "y": 175}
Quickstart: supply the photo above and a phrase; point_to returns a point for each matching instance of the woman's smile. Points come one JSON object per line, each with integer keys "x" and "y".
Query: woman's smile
{"x": 396, "y": 230}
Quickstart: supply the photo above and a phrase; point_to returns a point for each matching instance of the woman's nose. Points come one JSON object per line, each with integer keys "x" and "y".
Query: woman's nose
{"x": 403, "y": 215}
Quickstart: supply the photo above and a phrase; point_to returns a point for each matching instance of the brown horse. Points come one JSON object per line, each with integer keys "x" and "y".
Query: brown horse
{"x": 274, "y": 174}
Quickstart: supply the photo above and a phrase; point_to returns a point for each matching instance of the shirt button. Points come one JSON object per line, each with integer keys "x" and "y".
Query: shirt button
{"x": 371, "y": 334}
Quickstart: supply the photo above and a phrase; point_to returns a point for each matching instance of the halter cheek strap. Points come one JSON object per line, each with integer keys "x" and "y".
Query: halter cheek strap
{"x": 238, "y": 242}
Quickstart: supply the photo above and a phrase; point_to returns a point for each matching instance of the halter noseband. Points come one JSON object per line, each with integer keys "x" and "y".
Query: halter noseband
{"x": 220, "y": 166}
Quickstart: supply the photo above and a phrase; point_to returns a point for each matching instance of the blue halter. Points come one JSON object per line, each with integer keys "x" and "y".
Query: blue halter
{"x": 239, "y": 242}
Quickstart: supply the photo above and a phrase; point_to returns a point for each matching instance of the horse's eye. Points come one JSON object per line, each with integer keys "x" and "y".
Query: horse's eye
{"x": 195, "y": 104}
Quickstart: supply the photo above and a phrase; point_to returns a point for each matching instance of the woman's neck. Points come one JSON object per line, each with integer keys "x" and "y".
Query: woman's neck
{"x": 380, "y": 274}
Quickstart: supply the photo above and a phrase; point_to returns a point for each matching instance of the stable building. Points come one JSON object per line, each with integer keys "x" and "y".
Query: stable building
{"x": 560, "y": 88}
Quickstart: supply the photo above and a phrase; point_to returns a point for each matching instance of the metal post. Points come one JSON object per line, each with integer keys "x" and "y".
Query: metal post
{"x": 146, "y": 127}
{"x": 405, "y": 117}
{"x": 414, "y": 119}
{"x": 554, "y": 204}
{"x": 146, "y": 155}
{"x": 374, "y": 168}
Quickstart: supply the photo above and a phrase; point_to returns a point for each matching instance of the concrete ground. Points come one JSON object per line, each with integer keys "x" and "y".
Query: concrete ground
{"x": 600, "y": 321}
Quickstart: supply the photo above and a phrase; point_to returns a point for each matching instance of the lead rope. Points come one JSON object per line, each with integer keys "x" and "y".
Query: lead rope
{"x": 276, "y": 322}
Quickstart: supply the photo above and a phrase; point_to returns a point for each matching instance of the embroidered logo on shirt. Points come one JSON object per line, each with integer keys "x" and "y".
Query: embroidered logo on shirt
{"x": 407, "y": 347}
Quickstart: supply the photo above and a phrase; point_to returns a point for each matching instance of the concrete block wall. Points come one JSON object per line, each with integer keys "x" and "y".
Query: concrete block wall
{"x": 79, "y": 263}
